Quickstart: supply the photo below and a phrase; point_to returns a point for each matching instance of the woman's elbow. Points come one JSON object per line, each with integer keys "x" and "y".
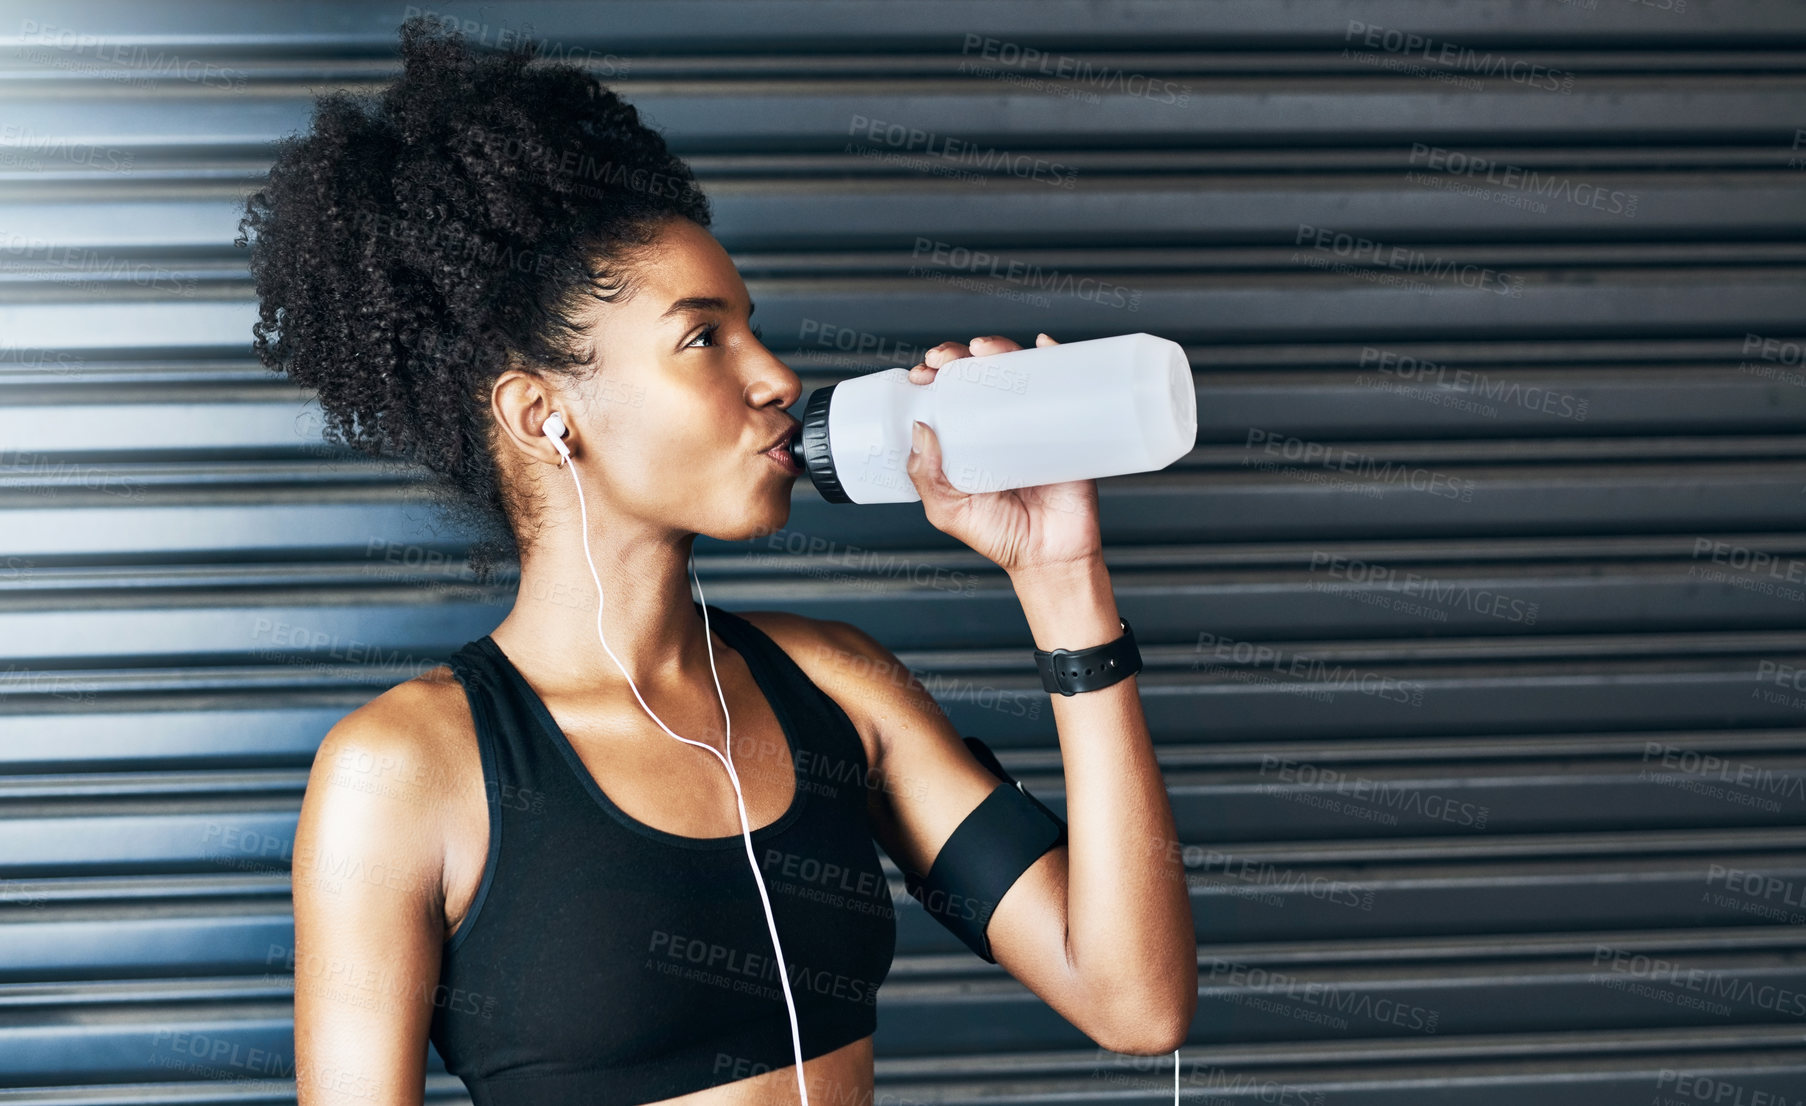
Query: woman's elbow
{"x": 1152, "y": 1027}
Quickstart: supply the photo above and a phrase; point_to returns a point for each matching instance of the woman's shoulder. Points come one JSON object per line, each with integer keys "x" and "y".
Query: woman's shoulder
{"x": 411, "y": 725}
{"x": 400, "y": 774}
{"x": 827, "y": 650}
{"x": 855, "y": 669}
{"x": 392, "y": 831}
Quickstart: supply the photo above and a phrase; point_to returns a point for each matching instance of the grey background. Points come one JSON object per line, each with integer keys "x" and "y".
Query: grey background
{"x": 1510, "y": 803}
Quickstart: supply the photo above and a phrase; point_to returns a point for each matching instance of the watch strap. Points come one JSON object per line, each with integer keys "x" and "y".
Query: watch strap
{"x": 1071, "y": 671}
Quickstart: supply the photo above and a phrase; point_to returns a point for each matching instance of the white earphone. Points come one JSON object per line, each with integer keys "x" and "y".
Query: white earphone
{"x": 555, "y": 429}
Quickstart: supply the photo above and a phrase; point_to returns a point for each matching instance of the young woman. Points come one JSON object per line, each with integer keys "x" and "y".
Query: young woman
{"x": 561, "y": 857}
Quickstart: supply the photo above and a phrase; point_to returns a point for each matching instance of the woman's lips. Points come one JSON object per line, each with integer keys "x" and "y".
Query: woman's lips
{"x": 780, "y": 455}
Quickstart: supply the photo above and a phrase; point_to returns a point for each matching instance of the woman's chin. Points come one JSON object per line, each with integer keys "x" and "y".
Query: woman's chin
{"x": 774, "y": 513}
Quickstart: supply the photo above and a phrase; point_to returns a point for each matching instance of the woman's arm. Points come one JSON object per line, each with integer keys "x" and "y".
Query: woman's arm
{"x": 1100, "y": 927}
{"x": 1128, "y": 910}
{"x": 368, "y": 908}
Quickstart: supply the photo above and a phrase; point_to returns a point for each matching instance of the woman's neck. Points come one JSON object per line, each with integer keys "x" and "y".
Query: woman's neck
{"x": 648, "y": 616}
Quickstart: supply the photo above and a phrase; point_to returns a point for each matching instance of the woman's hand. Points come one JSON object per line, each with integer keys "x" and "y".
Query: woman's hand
{"x": 1049, "y": 525}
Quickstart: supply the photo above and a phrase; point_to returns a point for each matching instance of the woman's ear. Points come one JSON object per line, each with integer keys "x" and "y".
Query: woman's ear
{"x": 520, "y": 403}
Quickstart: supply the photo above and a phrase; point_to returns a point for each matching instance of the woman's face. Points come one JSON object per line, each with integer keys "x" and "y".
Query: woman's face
{"x": 673, "y": 426}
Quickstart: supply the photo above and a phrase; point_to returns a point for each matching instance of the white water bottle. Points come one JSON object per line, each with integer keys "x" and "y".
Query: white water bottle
{"x": 1040, "y": 415}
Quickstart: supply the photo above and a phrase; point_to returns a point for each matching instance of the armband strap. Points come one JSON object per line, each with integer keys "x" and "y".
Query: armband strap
{"x": 987, "y": 853}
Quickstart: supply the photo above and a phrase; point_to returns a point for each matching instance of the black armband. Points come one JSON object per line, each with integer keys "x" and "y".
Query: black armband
{"x": 987, "y": 853}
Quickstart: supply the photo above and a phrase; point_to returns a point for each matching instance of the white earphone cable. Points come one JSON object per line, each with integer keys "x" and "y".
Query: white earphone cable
{"x": 728, "y": 740}
{"x": 727, "y": 761}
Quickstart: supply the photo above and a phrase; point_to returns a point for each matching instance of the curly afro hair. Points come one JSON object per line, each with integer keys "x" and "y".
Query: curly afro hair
{"x": 412, "y": 245}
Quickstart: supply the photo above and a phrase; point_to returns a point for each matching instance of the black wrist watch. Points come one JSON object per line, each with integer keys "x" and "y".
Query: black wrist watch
{"x": 1070, "y": 671}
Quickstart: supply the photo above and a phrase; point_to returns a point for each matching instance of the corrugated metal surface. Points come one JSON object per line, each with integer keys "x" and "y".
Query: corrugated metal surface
{"x": 1472, "y": 626}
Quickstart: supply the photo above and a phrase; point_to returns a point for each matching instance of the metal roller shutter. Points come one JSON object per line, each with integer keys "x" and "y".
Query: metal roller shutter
{"x": 1473, "y": 626}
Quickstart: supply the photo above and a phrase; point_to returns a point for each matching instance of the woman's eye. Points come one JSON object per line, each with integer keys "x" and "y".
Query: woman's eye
{"x": 709, "y": 333}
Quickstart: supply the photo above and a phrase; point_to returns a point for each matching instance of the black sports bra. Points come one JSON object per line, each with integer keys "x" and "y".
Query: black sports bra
{"x": 607, "y": 962}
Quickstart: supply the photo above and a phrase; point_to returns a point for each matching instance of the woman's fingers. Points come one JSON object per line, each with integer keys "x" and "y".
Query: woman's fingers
{"x": 945, "y": 352}
{"x": 992, "y": 343}
{"x": 923, "y": 372}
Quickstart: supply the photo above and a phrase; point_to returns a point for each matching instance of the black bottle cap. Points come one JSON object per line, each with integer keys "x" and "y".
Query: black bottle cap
{"x": 810, "y": 447}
